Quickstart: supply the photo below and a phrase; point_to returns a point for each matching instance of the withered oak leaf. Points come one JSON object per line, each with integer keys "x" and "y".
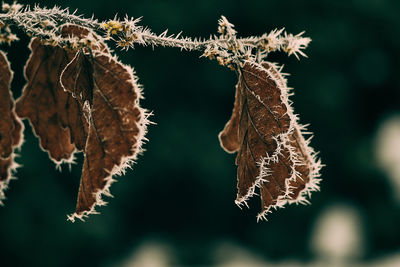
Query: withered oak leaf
{"x": 117, "y": 124}
{"x": 10, "y": 127}
{"x": 272, "y": 153}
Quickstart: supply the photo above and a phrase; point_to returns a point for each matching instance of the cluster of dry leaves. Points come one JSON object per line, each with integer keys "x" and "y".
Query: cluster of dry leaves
{"x": 85, "y": 100}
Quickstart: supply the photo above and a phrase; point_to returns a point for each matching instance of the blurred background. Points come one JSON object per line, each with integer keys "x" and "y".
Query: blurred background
{"x": 176, "y": 207}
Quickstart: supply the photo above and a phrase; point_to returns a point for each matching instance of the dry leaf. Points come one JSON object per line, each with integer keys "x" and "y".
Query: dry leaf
{"x": 229, "y": 136}
{"x": 272, "y": 154}
{"x": 11, "y": 127}
{"x": 6, "y": 103}
{"x": 95, "y": 109}
{"x": 56, "y": 116}
{"x": 49, "y": 109}
{"x": 117, "y": 124}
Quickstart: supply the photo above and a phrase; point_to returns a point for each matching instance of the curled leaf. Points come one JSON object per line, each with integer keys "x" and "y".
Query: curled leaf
{"x": 272, "y": 154}
{"x": 11, "y": 127}
{"x": 117, "y": 124}
{"x": 229, "y": 136}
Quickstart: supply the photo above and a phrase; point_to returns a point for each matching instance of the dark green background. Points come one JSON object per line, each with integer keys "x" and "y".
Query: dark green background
{"x": 183, "y": 187}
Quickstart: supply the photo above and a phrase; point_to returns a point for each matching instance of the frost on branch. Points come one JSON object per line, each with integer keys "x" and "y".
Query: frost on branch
{"x": 117, "y": 124}
{"x": 10, "y": 127}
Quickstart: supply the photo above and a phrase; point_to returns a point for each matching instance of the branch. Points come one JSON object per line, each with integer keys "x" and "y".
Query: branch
{"x": 45, "y": 24}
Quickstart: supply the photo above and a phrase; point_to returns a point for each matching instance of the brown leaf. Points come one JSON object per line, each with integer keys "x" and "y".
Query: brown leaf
{"x": 95, "y": 109}
{"x": 272, "y": 154}
{"x": 11, "y": 127}
{"x": 7, "y": 165}
{"x": 85, "y": 35}
{"x": 44, "y": 102}
{"x": 117, "y": 123}
{"x": 263, "y": 116}
{"x": 56, "y": 116}
{"x": 6, "y": 103}
{"x": 229, "y": 136}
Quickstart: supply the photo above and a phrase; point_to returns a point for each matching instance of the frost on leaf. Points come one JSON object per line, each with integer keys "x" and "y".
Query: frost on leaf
{"x": 54, "y": 114}
{"x": 272, "y": 153}
{"x": 10, "y": 127}
{"x": 117, "y": 124}
{"x": 78, "y": 97}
